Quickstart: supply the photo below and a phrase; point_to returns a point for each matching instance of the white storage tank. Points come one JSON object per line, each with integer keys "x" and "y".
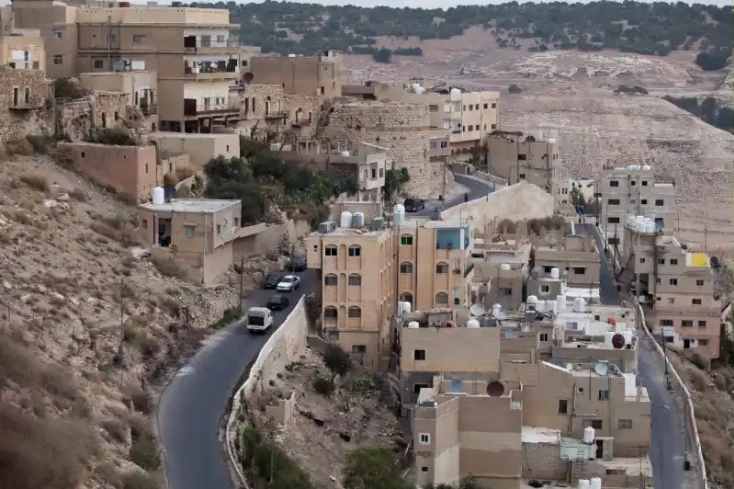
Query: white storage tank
{"x": 608, "y": 335}
{"x": 358, "y": 220}
{"x": 505, "y": 267}
{"x": 532, "y": 301}
{"x": 399, "y": 215}
{"x": 413, "y": 325}
{"x": 555, "y": 273}
{"x": 345, "y": 153}
{"x": 550, "y": 306}
{"x": 404, "y": 307}
{"x": 646, "y": 167}
{"x": 579, "y": 304}
{"x": 561, "y": 302}
{"x": 650, "y": 226}
{"x": 584, "y": 484}
{"x": 472, "y": 323}
{"x": 345, "y": 220}
{"x": 455, "y": 94}
{"x": 159, "y": 196}
{"x": 595, "y": 483}
{"x": 589, "y": 435}
{"x": 627, "y": 336}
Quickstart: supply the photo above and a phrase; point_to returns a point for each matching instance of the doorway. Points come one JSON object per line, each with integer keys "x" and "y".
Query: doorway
{"x": 599, "y": 449}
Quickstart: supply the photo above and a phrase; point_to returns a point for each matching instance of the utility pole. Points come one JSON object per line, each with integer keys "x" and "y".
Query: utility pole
{"x": 443, "y": 186}
{"x": 705, "y": 238}
{"x": 242, "y": 282}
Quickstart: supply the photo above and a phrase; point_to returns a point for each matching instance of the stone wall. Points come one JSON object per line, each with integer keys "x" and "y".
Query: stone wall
{"x": 266, "y": 238}
{"x": 402, "y": 128}
{"x": 32, "y": 117}
{"x": 295, "y": 102}
{"x": 78, "y": 118}
{"x": 543, "y": 461}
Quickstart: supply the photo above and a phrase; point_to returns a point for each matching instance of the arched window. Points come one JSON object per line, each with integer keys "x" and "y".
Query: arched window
{"x": 406, "y": 268}
{"x": 104, "y": 120}
{"x": 330, "y": 250}
{"x": 442, "y": 299}
{"x": 267, "y": 105}
{"x": 331, "y": 280}
{"x": 117, "y": 116}
{"x": 406, "y": 297}
{"x": 355, "y": 312}
{"x": 355, "y": 280}
{"x": 355, "y": 251}
{"x": 442, "y": 268}
{"x": 330, "y": 313}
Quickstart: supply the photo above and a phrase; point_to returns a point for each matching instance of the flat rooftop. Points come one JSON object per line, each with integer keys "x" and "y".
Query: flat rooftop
{"x": 186, "y": 135}
{"x": 198, "y": 206}
{"x": 365, "y": 232}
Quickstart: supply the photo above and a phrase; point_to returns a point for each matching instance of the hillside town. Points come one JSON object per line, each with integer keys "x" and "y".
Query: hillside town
{"x": 440, "y": 305}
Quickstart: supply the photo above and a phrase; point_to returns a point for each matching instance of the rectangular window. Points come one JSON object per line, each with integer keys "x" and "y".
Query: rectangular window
{"x": 406, "y": 240}
{"x": 661, "y": 261}
{"x": 624, "y": 424}
{"x": 642, "y": 260}
{"x": 603, "y": 395}
{"x": 659, "y": 202}
{"x": 614, "y": 183}
{"x": 613, "y": 202}
{"x": 596, "y": 424}
{"x": 673, "y": 281}
{"x": 486, "y": 106}
{"x": 331, "y": 280}
{"x": 359, "y": 349}
{"x": 334, "y": 335}
{"x": 686, "y": 323}
{"x": 355, "y": 251}
{"x": 354, "y": 313}
{"x": 643, "y": 202}
{"x": 145, "y": 224}
{"x": 58, "y": 60}
{"x": 58, "y": 34}
{"x": 702, "y": 324}
{"x": 190, "y": 231}
{"x": 613, "y": 241}
{"x": 633, "y": 183}
{"x": 543, "y": 337}
{"x": 562, "y": 406}
{"x": 330, "y": 251}
{"x": 703, "y": 342}
{"x": 494, "y": 105}
{"x": 674, "y": 261}
{"x": 696, "y": 302}
{"x": 579, "y": 270}
{"x": 699, "y": 283}
{"x": 219, "y": 229}
{"x": 419, "y": 354}
{"x": 522, "y": 176}
{"x": 494, "y": 126}
{"x": 522, "y": 157}
{"x": 138, "y": 39}
{"x": 666, "y": 322}
{"x": 613, "y": 220}
{"x": 424, "y": 438}
{"x": 671, "y": 300}
{"x": 236, "y": 222}
{"x": 355, "y": 280}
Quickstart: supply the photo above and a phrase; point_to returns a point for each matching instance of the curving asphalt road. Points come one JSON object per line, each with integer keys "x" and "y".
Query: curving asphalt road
{"x": 668, "y": 436}
{"x": 194, "y": 402}
{"x": 477, "y": 188}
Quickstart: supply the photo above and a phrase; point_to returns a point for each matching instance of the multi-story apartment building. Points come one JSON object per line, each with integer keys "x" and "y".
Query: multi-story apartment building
{"x": 679, "y": 284}
{"x": 577, "y": 256}
{"x": 312, "y": 75}
{"x": 190, "y": 48}
{"x": 365, "y": 272}
{"x": 633, "y": 190}
{"x": 22, "y": 49}
{"x": 517, "y": 159}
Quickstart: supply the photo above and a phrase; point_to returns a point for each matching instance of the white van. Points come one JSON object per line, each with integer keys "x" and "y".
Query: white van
{"x": 259, "y": 319}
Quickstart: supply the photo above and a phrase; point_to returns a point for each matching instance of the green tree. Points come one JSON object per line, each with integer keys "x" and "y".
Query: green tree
{"x": 576, "y": 197}
{"x": 372, "y": 468}
{"x": 337, "y": 361}
{"x": 514, "y": 88}
{"x": 383, "y": 55}
{"x": 394, "y": 181}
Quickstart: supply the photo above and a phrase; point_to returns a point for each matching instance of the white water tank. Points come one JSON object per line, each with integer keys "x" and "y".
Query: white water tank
{"x": 420, "y": 90}
{"x": 561, "y": 302}
{"x": 345, "y": 220}
{"x": 608, "y": 335}
{"x": 551, "y": 306}
{"x": 579, "y": 304}
{"x": 505, "y": 267}
{"x": 413, "y": 325}
{"x": 404, "y": 307}
{"x": 540, "y": 306}
{"x": 595, "y": 483}
{"x": 650, "y": 226}
{"x": 358, "y": 220}
{"x": 159, "y": 196}
{"x": 399, "y": 215}
{"x": 455, "y": 94}
{"x": 472, "y": 323}
{"x": 627, "y": 336}
{"x": 589, "y": 434}
{"x": 555, "y": 273}
{"x": 584, "y": 483}
{"x": 550, "y": 140}
{"x": 646, "y": 167}
{"x": 345, "y": 153}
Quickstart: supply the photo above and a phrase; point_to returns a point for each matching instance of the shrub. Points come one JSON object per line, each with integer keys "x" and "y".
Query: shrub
{"x": 35, "y": 181}
{"x": 168, "y": 266}
{"x": 144, "y": 453}
{"x": 323, "y": 386}
{"x": 371, "y": 467}
{"x": 116, "y": 429}
{"x": 114, "y": 136}
{"x": 66, "y": 88}
{"x": 140, "y": 398}
{"x": 699, "y": 361}
{"x": 713, "y": 60}
{"x": 230, "y": 315}
{"x": 139, "y": 480}
{"x": 383, "y": 55}
{"x": 337, "y": 361}
{"x": 514, "y": 88}
{"x": 267, "y": 458}
{"x": 41, "y": 144}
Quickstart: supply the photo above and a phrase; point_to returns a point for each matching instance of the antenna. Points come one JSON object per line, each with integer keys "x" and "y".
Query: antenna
{"x": 602, "y": 369}
{"x": 495, "y": 389}
{"x": 618, "y": 341}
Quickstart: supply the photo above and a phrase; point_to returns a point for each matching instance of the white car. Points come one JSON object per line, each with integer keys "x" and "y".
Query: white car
{"x": 259, "y": 319}
{"x": 289, "y": 283}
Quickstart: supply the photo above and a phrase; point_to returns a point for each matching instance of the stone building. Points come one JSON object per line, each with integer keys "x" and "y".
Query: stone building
{"x": 310, "y": 75}
{"x": 262, "y": 110}
{"x": 25, "y": 103}
{"x": 140, "y": 88}
{"x": 404, "y": 129}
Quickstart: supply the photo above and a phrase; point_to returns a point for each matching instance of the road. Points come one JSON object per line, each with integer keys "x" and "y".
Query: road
{"x": 192, "y": 405}
{"x": 668, "y": 438}
{"x": 194, "y": 402}
{"x": 477, "y": 188}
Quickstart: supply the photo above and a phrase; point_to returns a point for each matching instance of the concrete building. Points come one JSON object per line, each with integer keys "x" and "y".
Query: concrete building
{"x": 200, "y": 147}
{"x": 516, "y": 158}
{"x": 129, "y": 170}
{"x": 307, "y": 75}
{"x": 365, "y": 272}
{"x": 678, "y": 283}
{"x": 577, "y": 256}
{"x": 191, "y": 50}
{"x": 197, "y": 233}
{"x": 585, "y": 186}
{"x": 140, "y": 88}
{"x": 22, "y": 49}
{"x": 633, "y": 190}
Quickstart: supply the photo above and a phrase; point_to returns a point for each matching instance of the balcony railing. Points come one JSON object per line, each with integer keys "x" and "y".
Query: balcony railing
{"x": 25, "y": 104}
{"x": 193, "y": 108}
{"x": 221, "y": 67}
{"x": 276, "y": 114}
{"x": 149, "y": 108}
{"x": 193, "y": 44}
{"x": 708, "y": 311}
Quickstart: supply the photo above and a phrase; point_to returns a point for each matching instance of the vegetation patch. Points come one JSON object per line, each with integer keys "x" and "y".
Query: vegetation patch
{"x": 707, "y": 110}
{"x": 36, "y": 181}
{"x": 269, "y": 463}
{"x": 144, "y": 452}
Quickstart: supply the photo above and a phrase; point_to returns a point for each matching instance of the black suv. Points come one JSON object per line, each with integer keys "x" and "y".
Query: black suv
{"x": 272, "y": 280}
{"x": 278, "y": 302}
{"x": 413, "y": 204}
{"x": 297, "y": 264}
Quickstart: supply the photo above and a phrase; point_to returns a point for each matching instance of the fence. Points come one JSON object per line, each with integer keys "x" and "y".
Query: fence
{"x": 678, "y": 385}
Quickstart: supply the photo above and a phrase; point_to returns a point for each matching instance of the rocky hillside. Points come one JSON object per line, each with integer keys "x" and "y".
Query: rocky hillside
{"x": 88, "y": 329}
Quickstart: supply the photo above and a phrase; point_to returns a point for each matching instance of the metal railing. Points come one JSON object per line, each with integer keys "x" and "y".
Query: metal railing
{"x": 193, "y": 44}
{"x": 149, "y": 108}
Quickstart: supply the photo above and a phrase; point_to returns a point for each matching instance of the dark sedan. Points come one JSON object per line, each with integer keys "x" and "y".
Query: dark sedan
{"x": 297, "y": 264}
{"x": 278, "y": 302}
{"x": 413, "y": 204}
{"x": 272, "y": 280}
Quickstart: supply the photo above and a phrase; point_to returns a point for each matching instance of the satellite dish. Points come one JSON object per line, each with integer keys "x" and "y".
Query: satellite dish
{"x": 618, "y": 341}
{"x": 601, "y": 369}
{"x": 476, "y": 309}
{"x": 495, "y": 389}
{"x": 456, "y": 386}
{"x": 248, "y": 77}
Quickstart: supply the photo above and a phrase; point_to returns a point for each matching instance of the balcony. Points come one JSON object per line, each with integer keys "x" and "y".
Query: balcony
{"x": 194, "y": 109}
{"x": 25, "y": 104}
{"x": 276, "y": 114}
{"x": 149, "y": 108}
{"x": 696, "y": 311}
{"x": 301, "y": 123}
{"x": 212, "y": 71}
{"x": 210, "y": 46}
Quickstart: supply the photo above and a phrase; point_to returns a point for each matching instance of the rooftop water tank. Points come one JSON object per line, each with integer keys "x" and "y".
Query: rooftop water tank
{"x": 584, "y": 484}
{"x": 399, "y": 215}
{"x": 627, "y": 336}
{"x": 550, "y": 140}
{"x": 345, "y": 220}
{"x": 555, "y": 273}
{"x": 650, "y": 227}
{"x": 159, "y": 196}
{"x": 551, "y": 306}
{"x": 472, "y": 323}
{"x": 608, "y": 336}
{"x": 404, "y": 307}
{"x": 589, "y": 435}
{"x": 358, "y": 220}
{"x": 532, "y": 301}
{"x": 595, "y": 483}
{"x": 646, "y": 167}
{"x": 420, "y": 90}
{"x": 579, "y": 304}
{"x": 455, "y": 94}
{"x": 344, "y": 153}
{"x": 505, "y": 267}
{"x": 413, "y": 325}
{"x": 561, "y": 302}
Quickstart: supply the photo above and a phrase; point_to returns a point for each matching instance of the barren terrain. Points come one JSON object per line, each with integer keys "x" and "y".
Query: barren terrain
{"x": 570, "y": 95}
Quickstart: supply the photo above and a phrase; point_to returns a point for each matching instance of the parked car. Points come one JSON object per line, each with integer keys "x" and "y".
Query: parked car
{"x": 289, "y": 283}
{"x": 278, "y": 302}
{"x": 414, "y": 204}
{"x": 259, "y": 319}
{"x": 297, "y": 264}
{"x": 272, "y": 280}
